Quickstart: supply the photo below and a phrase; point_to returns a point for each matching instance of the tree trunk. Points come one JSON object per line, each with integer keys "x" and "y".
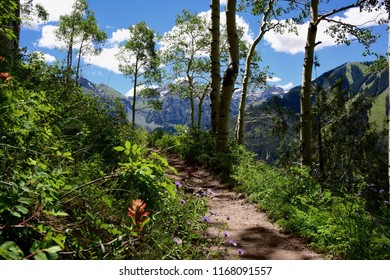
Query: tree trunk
{"x": 229, "y": 78}
{"x": 215, "y": 70}
{"x": 192, "y": 106}
{"x": 9, "y": 46}
{"x": 305, "y": 117}
{"x": 388, "y": 93}
{"x": 200, "y": 110}
{"x": 245, "y": 82}
{"x": 78, "y": 62}
{"x": 134, "y": 93}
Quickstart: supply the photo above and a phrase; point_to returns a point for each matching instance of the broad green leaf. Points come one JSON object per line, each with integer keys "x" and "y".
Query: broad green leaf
{"x": 10, "y": 251}
{"x": 60, "y": 240}
{"x": 127, "y": 145}
{"x": 68, "y": 155}
{"x": 42, "y": 166}
{"x": 21, "y": 209}
{"x": 53, "y": 249}
{"x": 119, "y": 149}
{"x": 16, "y": 214}
{"x": 40, "y": 256}
{"x": 24, "y": 200}
{"x": 30, "y": 161}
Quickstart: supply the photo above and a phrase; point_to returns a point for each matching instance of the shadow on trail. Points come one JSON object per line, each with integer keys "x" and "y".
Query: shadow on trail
{"x": 268, "y": 244}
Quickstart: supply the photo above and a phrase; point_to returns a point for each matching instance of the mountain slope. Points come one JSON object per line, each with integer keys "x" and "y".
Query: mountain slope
{"x": 355, "y": 78}
{"x": 175, "y": 110}
{"x": 281, "y": 115}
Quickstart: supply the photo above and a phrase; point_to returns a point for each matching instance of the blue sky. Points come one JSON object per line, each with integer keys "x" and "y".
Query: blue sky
{"x": 282, "y": 53}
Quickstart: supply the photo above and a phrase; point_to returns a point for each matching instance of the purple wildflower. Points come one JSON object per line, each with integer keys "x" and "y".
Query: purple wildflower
{"x": 382, "y": 191}
{"x": 240, "y": 251}
{"x": 232, "y": 243}
{"x": 387, "y": 203}
{"x": 177, "y": 240}
{"x": 373, "y": 189}
{"x": 197, "y": 195}
{"x": 210, "y": 191}
{"x": 183, "y": 201}
{"x": 212, "y": 213}
{"x": 178, "y": 184}
{"x": 204, "y": 194}
{"x": 226, "y": 234}
{"x": 206, "y": 219}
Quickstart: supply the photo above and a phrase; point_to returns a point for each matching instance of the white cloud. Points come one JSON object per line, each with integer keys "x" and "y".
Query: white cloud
{"x": 55, "y": 9}
{"x": 48, "y": 38}
{"x": 49, "y": 58}
{"x": 241, "y": 23}
{"x": 129, "y": 93}
{"x": 46, "y": 57}
{"x": 274, "y": 79}
{"x": 293, "y": 44}
{"x": 224, "y": 2}
{"x": 119, "y": 36}
{"x": 287, "y": 87}
{"x": 106, "y": 59}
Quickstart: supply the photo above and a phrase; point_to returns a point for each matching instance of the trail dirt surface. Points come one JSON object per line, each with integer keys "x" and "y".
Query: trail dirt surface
{"x": 243, "y": 231}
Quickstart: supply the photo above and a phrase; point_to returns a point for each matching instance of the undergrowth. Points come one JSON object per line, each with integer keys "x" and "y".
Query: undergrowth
{"x": 78, "y": 182}
{"x": 341, "y": 225}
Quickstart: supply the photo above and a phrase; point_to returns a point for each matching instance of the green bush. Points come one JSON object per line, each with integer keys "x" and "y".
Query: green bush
{"x": 338, "y": 226}
{"x": 72, "y": 166}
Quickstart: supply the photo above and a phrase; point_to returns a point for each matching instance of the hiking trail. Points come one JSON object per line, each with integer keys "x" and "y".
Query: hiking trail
{"x": 244, "y": 230}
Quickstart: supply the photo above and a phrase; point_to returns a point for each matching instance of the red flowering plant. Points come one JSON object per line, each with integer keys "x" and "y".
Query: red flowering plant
{"x": 4, "y": 76}
{"x": 138, "y": 215}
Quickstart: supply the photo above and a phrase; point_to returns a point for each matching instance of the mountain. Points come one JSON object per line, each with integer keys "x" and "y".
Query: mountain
{"x": 354, "y": 78}
{"x": 175, "y": 110}
{"x": 281, "y": 114}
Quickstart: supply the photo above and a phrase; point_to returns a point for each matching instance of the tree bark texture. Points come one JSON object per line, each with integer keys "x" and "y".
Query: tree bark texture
{"x": 245, "y": 82}
{"x": 7, "y": 46}
{"x": 388, "y": 95}
{"x": 305, "y": 116}
{"x": 229, "y": 78}
{"x": 215, "y": 70}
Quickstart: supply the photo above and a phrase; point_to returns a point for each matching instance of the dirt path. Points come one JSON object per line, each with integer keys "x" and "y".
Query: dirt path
{"x": 244, "y": 231}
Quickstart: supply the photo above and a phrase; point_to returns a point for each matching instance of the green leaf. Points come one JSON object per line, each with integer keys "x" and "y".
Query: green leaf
{"x": 22, "y": 209}
{"x": 119, "y": 149}
{"x": 53, "y": 249}
{"x": 10, "y": 251}
{"x": 67, "y": 154}
{"x": 16, "y": 214}
{"x": 127, "y": 145}
{"x": 56, "y": 214}
{"x": 40, "y": 256}
{"x": 60, "y": 240}
{"x": 32, "y": 162}
{"x": 24, "y": 200}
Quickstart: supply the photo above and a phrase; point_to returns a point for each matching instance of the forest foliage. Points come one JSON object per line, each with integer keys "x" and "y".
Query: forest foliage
{"x": 73, "y": 172}
{"x": 78, "y": 181}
